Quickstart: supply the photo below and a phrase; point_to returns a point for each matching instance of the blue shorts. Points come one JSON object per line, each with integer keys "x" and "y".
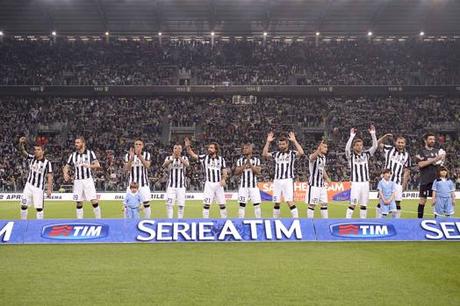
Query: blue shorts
{"x": 132, "y": 213}
{"x": 386, "y": 209}
{"x": 443, "y": 207}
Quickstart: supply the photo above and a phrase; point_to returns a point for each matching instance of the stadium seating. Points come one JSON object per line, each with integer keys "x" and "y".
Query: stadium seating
{"x": 110, "y": 125}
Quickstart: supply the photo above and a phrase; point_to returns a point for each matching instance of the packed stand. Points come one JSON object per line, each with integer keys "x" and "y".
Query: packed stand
{"x": 229, "y": 62}
{"x": 110, "y": 126}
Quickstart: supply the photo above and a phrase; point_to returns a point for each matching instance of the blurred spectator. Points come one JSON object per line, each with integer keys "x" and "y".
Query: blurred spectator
{"x": 111, "y": 124}
{"x": 232, "y": 63}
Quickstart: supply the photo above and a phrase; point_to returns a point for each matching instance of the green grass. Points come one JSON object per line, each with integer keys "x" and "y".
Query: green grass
{"x": 112, "y": 209}
{"x": 232, "y": 274}
{"x": 395, "y": 273}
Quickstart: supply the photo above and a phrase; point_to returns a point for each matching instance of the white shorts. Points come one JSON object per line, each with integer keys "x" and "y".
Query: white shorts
{"x": 144, "y": 192}
{"x": 285, "y": 188}
{"x": 316, "y": 195}
{"x": 84, "y": 190}
{"x": 175, "y": 195}
{"x": 246, "y": 194}
{"x": 32, "y": 195}
{"x": 399, "y": 192}
{"x": 213, "y": 191}
{"x": 359, "y": 193}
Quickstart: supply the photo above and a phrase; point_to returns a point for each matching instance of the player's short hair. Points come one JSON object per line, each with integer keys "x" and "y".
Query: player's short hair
{"x": 138, "y": 139}
{"x": 133, "y": 185}
{"x": 283, "y": 138}
{"x": 216, "y": 146}
{"x": 357, "y": 140}
{"x": 39, "y": 146}
{"x": 248, "y": 144}
{"x": 81, "y": 138}
{"x": 399, "y": 137}
{"x": 429, "y": 134}
{"x": 386, "y": 170}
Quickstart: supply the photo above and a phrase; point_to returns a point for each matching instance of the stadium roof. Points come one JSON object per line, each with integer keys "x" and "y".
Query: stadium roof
{"x": 230, "y": 17}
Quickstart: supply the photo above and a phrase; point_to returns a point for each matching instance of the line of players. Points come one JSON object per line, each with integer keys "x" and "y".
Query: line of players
{"x": 248, "y": 167}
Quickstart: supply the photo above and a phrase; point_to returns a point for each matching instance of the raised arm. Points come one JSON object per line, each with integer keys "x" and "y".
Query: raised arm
{"x": 381, "y": 140}
{"x": 188, "y": 147}
{"x": 349, "y": 142}
{"x": 270, "y": 138}
{"x": 239, "y": 168}
{"x": 22, "y": 146}
{"x": 185, "y": 161}
{"x": 256, "y": 168}
{"x": 145, "y": 162}
{"x": 129, "y": 160}
{"x": 374, "y": 146}
{"x": 297, "y": 145}
{"x": 314, "y": 155}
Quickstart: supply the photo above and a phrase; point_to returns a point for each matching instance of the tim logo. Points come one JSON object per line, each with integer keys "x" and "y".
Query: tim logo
{"x": 75, "y": 231}
{"x": 362, "y": 230}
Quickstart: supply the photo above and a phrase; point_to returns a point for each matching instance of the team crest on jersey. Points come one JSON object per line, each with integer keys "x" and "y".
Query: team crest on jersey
{"x": 360, "y": 159}
{"x": 177, "y": 164}
{"x": 398, "y": 159}
{"x": 215, "y": 164}
{"x": 37, "y": 167}
{"x": 281, "y": 159}
{"x": 82, "y": 161}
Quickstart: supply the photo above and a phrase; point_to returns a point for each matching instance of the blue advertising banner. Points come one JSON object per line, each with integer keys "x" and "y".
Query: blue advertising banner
{"x": 369, "y": 229}
{"x": 12, "y": 231}
{"x": 225, "y": 230}
{"x": 159, "y": 230}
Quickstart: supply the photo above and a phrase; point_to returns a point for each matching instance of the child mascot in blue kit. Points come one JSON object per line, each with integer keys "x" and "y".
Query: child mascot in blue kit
{"x": 443, "y": 194}
{"x": 132, "y": 202}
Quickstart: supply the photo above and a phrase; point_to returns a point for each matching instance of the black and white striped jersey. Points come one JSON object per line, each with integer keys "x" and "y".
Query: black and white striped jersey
{"x": 212, "y": 167}
{"x": 359, "y": 163}
{"x": 359, "y": 166}
{"x": 176, "y": 172}
{"x": 138, "y": 172}
{"x": 396, "y": 161}
{"x": 284, "y": 164}
{"x": 38, "y": 170}
{"x": 79, "y": 160}
{"x": 248, "y": 179}
{"x": 317, "y": 168}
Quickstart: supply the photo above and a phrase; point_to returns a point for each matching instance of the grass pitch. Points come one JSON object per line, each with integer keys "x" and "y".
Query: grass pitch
{"x": 370, "y": 273}
{"x": 193, "y": 209}
{"x": 424, "y": 273}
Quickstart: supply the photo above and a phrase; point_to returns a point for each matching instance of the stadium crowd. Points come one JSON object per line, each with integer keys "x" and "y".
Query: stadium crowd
{"x": 229, "y": 62}
{"x": 111, "y": 124}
